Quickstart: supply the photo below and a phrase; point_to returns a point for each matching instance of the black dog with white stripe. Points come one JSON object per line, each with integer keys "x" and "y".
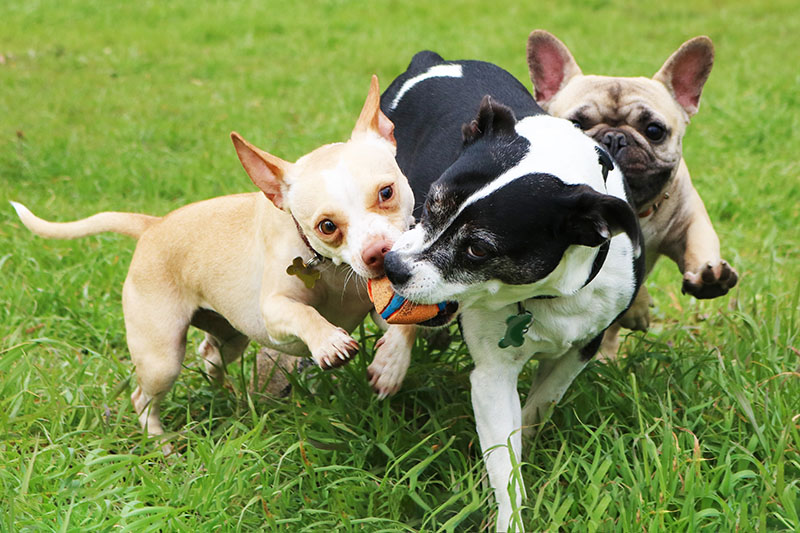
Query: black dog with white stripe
{"x": 524, "y": 221}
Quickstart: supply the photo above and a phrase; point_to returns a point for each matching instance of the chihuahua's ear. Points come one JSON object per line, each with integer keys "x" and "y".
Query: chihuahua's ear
{"x": 372, "y": 118}
{"x": 686, "y": 71}
{"x": 550, "y": 65}
{"x": 266, "y": 170}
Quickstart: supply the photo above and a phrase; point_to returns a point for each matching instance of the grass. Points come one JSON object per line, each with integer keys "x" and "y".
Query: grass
{"x": 128, "y": 105}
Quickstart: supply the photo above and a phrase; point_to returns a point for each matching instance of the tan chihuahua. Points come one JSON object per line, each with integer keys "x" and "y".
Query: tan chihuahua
{"x": 284, "y": 268}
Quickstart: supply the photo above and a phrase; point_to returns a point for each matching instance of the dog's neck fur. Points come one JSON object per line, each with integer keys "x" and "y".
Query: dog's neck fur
{"x": 572, "y": 274}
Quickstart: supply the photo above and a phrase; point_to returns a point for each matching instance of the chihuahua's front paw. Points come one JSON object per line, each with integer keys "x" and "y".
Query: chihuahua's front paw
{"x": 709, "y": 281}
{"x": 389, "y": 367}
{"x": 336, "y": 350}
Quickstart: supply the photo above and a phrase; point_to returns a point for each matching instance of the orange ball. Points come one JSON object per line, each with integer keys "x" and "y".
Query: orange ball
{"x": 395, "y": 309}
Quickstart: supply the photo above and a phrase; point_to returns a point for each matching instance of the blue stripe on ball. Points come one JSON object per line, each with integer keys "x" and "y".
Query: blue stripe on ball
{"x": 395, "y": 304}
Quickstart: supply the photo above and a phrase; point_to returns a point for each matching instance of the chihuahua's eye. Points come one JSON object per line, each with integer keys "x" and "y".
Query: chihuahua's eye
{"x": 326, "y": 227}
{"x": 477, "y": 251}
{"x": 655, "y": 131}
{"x": 386, "y": 193}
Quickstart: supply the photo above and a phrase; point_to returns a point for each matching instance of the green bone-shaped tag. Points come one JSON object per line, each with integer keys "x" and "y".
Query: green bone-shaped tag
{"x": 516, "y": 328}
{"x": 307, "y": 274}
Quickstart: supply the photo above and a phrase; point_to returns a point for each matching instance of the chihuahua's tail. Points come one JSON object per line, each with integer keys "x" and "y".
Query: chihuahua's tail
{"x": 133, "y": 224}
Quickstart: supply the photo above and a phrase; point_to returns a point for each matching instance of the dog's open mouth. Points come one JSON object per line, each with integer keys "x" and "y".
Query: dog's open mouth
{"x": 446, "y": 314}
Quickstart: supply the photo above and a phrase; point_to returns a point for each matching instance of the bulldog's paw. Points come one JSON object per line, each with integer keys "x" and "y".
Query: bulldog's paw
{"x": 336, "y": 350}
{"x": 637, "y": 317}
{"x": 389, "y": 367}
{"x": 709, "y": 281}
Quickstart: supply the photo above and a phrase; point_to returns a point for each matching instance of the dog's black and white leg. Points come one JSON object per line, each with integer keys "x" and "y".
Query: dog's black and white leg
{"x": 552, "y": 379}
{"x": 498, "y": 416}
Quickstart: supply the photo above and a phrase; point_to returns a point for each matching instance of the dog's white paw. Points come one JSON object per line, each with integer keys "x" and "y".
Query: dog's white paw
{"x": 389, "y": 367}
{"x": 336, "y": 350}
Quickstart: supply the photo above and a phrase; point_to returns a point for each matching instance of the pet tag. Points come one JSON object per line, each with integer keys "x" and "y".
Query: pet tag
{"x": 306, "y": 273}
{"x": 516, "y": 327}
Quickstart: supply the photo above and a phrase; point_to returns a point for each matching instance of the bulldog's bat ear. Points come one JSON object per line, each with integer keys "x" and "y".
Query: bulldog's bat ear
{"x": 550, "y": 65}
{"x": 493, "y": 118}
{"x": 593, "y": 218}
{"x": 372, "y": 118}
{"x": 686, "y": 71}
{"x": 266, "y": 170}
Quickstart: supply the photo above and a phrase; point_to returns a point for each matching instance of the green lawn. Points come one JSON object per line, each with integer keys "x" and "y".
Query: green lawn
{"x": 128, "y": 106}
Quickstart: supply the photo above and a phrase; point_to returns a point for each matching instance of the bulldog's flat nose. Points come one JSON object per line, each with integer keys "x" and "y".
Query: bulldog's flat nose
{"x": 614, "y": 141}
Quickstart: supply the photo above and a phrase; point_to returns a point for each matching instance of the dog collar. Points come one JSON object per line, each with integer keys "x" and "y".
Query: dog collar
{"x": 653, "y": 208}
{"x": 517, "y": 325}
{"x": 305, "y": 269}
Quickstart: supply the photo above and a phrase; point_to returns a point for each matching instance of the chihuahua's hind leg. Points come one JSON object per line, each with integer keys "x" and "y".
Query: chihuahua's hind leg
{"x": 218, "y": 353}
{"x": 158, "y": 358}
{"x": 223, "y": 343}
{"x": 156, "y": 330}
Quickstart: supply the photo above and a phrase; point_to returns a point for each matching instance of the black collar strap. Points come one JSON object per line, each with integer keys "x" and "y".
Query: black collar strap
{"x": 599, "y": 261}
{"x": 318, "y": 257}
{"x": 605, "y": 161}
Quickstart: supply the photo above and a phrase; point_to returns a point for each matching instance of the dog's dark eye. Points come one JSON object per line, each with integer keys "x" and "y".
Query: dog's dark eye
{"x": 386, "y": 193}
{"x": 655, "y": 132}
{"x": 477, "y": 252}
{"x": 326, "y": 227}
{"x": 577, "y": 123}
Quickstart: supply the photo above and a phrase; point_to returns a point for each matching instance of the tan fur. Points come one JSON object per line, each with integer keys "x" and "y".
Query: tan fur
{"x": 675, "y": 223}
{"x": 131, "y": 224}
{"x": 227, "y": 257}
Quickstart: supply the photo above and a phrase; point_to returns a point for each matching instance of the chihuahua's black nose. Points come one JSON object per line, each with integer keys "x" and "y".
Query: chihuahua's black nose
{"x": 397, "y": 272}
{"x": 614, "y": 141}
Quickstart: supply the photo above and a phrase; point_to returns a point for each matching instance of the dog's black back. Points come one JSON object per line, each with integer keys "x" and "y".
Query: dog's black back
{"x": 446, "y": 102}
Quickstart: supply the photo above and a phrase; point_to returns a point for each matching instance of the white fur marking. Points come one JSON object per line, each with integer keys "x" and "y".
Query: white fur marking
{"x": 554, "y": 150}
{"x": 438, "y": 71}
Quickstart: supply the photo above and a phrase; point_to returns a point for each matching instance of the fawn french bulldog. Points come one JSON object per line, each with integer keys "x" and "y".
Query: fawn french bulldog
{"x": 641, "y": 122}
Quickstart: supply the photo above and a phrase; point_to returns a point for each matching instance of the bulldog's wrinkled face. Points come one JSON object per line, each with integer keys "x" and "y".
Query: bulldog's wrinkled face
{"x": 640, "y": 121}
{"x": 522, "y": 199}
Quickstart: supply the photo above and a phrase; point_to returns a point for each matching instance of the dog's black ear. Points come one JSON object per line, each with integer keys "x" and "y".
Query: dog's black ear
{"x": 493, "y": 118}
{"x": 593, "y": 218}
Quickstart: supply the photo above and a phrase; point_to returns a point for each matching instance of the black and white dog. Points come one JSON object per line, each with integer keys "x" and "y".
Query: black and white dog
{"x": 524, "y": 221}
